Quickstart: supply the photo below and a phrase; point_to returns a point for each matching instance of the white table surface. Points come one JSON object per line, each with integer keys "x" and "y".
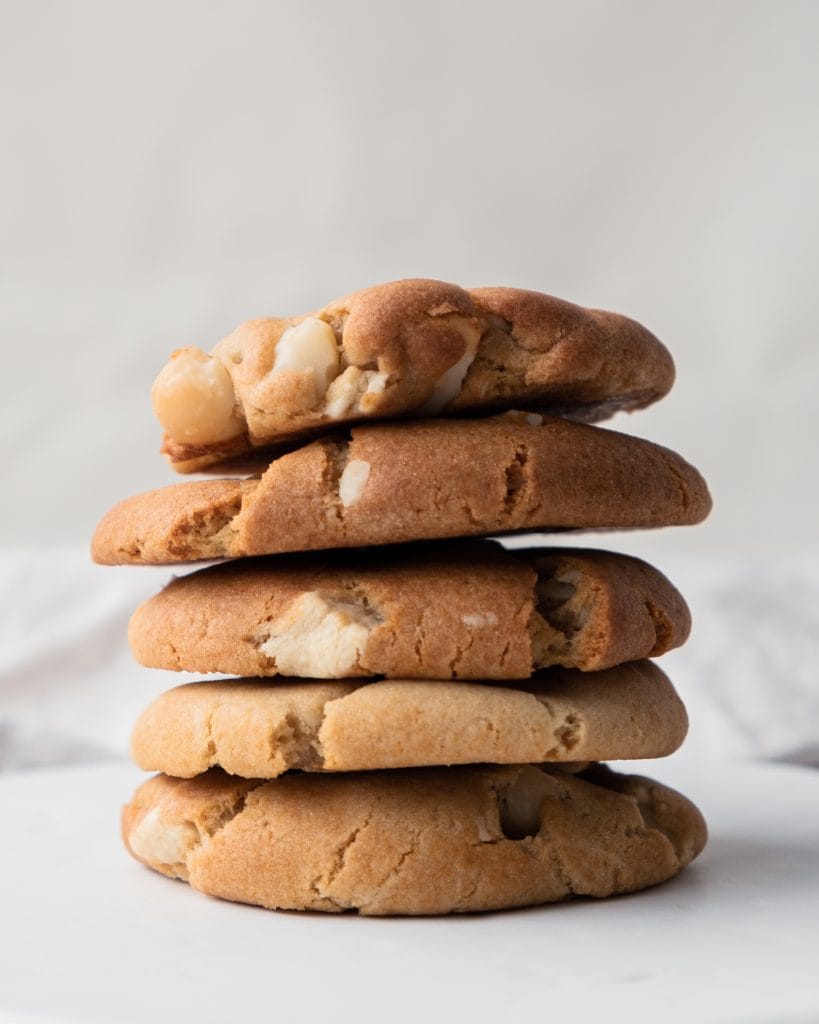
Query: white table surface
{"x": 87, "y": 935}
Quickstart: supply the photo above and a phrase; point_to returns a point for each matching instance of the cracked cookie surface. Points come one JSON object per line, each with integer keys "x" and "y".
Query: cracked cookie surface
{"x": 424, "y": 841}
{"x": 463, "y": 611}
{"x": 415, "y": 347}
{"x": 258, "y": 729}
{"x": 424, "y": 479}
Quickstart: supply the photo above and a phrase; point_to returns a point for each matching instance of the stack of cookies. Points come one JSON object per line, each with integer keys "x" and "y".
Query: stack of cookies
{"x": 421, "y": 714}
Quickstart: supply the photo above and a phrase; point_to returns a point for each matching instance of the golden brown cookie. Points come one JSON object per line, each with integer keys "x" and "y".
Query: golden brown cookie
{"x": 423, "y": 841}
{"x": 456, "y": 611}
{"x": 259, "y": 729}
{"x": 409, "y": 347}
{"x": 418, "y": 480}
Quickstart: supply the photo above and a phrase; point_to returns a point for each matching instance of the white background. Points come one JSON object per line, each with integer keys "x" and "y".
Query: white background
{"x": 172, "y": 168}
{"x": 169, "y": 168}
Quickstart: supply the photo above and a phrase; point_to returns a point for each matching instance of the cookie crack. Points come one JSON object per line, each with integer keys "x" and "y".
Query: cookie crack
{"x": 394, "y": 870}
{"x": 322, "y": 901}
{"x": 133, "y": 549}
{"x": 210, "y": 743}
{"x": 337, "y": 454}
{"x": 296, "y": 742}
{"x": 460, "y": 654}
{"x": 232, "y": 811}
{"x": 174, "y": 653}
{"x": 663, "y": 629}
{"x": 405, "y": 855}
{"x": 677, "y": 477}
{"x": 471, "y": 518}
{"x": 206, "y": 532}
{"x": 340, "y": 856}
{"x": 420, "y": 641}
{"x": 464, "y": 899}
{"x": 563, "y": 875}
{"x": 515, "y": 479}
{"x": 206, "y": 829}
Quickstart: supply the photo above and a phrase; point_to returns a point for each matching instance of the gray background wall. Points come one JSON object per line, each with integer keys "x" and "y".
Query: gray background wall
{"x": 170, "y": 169}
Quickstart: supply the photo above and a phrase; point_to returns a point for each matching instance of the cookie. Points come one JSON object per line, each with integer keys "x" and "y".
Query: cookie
{"x": 410, "y": 347}
{"x": 460, "y": 611}
{"x": 395, "y": 482}
{"x": 423, "y": 841}
{"x": 260, "y": 730}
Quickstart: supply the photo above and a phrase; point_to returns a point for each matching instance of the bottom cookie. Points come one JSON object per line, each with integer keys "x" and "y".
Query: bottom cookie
{"x": 420, "y": 841}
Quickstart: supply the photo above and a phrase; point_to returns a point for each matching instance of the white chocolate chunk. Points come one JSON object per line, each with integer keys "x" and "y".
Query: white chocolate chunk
{"x": 352, "y": 482}
{"x": 162, "y": 844}
{"x": 376, "y": 382}
{"x": 534, "y": 419}
{"x": 309, "y": 347}
{"x": 320, "y": 637}
{"x": 344, "y": 392}
{"x": 193, "y": 399}
{"x": 347, "y": 391}
{"x": 447, "y": 385}
{"x": 479, "y": 619}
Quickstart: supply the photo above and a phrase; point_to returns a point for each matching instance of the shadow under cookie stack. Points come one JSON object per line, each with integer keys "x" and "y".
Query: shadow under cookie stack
{"x": 421, "y": 713}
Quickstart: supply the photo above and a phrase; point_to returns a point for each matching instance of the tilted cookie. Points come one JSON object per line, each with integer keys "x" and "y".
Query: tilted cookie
{"x": 260, "y": 730}
{"x": 394, "y": 482}
{"x": 461, "y": 611}
{"x": 410, "y": 347}
{"x": 423, "y": 841}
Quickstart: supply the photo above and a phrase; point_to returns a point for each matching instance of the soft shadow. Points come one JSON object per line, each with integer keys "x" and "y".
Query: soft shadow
{"x": 752, "y": 861}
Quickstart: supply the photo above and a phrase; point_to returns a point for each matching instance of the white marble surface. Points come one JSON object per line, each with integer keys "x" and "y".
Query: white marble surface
{"x": 87, "y": 936}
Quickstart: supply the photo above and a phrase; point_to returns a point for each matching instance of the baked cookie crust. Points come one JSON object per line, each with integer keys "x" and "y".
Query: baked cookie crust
{"x": 426, "y": 479}
{"x": 455, "y": 611}
{"x": 413, "y": 347}
{"x": 424, "y": 841}
{"x": 260, "y": 730}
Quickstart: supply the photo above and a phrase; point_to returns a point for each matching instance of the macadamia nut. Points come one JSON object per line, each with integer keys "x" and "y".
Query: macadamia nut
{"x": 194, "y": 401}
{"x": 309, "y": 347}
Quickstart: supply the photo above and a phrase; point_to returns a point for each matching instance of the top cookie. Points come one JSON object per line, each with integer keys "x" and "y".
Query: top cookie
{"x": 409, "y": 347}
